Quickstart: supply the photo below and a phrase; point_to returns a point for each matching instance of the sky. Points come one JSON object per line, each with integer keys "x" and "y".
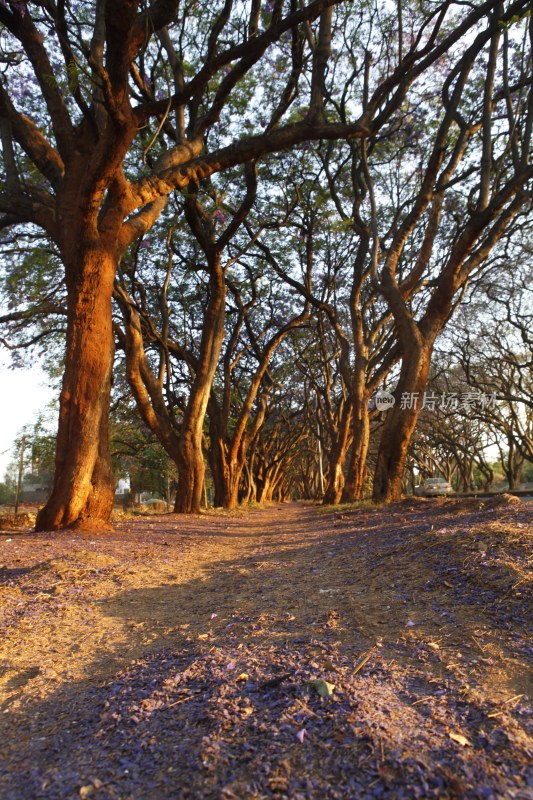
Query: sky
{"x": 23, "y": 393}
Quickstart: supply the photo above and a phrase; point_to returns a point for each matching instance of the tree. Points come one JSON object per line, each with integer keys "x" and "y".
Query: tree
{"x": 468, "y": 185}
{"x": 135, "y": 452}
{"x": 451, "y": 438}
{"x": 33, "y": 459}
{"x": 72, "y": 168}
{"x": 494, "y": 354}
{"x": 324, "y": 255}
{"x": 263, "y": 315}
{"x": 151, "y": 320}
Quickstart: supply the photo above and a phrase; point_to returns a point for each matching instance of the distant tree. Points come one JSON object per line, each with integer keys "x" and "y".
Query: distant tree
{"x": 481, "y": 379}
{"x": 262, "y": 315}
{"x": 494, "y": 352}
{"x": 452, "y": 442}
{"x": 354, "y": 348}
{"x": 136, "y": 454}
{"x": 7, "y": 490}
{"x": 33, "y": 455}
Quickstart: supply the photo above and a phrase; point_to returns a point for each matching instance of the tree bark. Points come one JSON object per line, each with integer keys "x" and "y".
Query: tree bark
{"x": 191, "y": 472}
{"x": 216, "y": 458}
{"x": 399, "y": 426}
{"x": 337, "y": 457}
{"x": 514, "y": 466}
{"x": 83, "y": 492}
{"x": 191, "y": 466}
{"x": 251, "y": 484}
{"x": 226, "y": 468}
{"x": 231, "y": 489}
{"x": 356, "y": 472}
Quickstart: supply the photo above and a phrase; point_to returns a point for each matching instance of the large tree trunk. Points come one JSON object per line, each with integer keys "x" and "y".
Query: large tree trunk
{"x": 217, "y": 463}
{"x": 271, "y": 484}
{"x": 337, "y": 457}
{"x": 399, "y": 426}
{"x": 83, "y": 491}
{"x": 227, "y": 456}
{"x": 251, "y": 487}
{"x": 356, "y": 472}
{"x": 191, "y": 471}
{"x": 232, "y": 483}
{"x": 515, "y": 463}
{"x": 226, "y": 467}
{"x": 264, "y": 493}
{"x": 191, "y": 466}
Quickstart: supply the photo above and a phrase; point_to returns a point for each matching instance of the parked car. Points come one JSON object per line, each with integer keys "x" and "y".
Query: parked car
{"x": 433, "y": 487}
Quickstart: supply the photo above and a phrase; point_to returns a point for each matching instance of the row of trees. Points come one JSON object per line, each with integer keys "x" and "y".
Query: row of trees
{"x": 271, "y": 210}
{"x": 475, "y": 426}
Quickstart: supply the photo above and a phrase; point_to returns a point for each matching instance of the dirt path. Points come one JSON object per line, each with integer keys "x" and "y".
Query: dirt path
{"x": 173, "y": 657}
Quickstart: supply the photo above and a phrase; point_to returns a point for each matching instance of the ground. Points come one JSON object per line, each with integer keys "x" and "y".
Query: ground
{"x": 287, "y": 652}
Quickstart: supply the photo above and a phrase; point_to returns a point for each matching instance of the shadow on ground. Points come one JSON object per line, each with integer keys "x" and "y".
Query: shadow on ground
{"x": 418, "y": 621}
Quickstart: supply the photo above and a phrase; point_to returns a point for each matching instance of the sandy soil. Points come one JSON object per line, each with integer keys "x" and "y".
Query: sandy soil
{"x": 179, "y": 657}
